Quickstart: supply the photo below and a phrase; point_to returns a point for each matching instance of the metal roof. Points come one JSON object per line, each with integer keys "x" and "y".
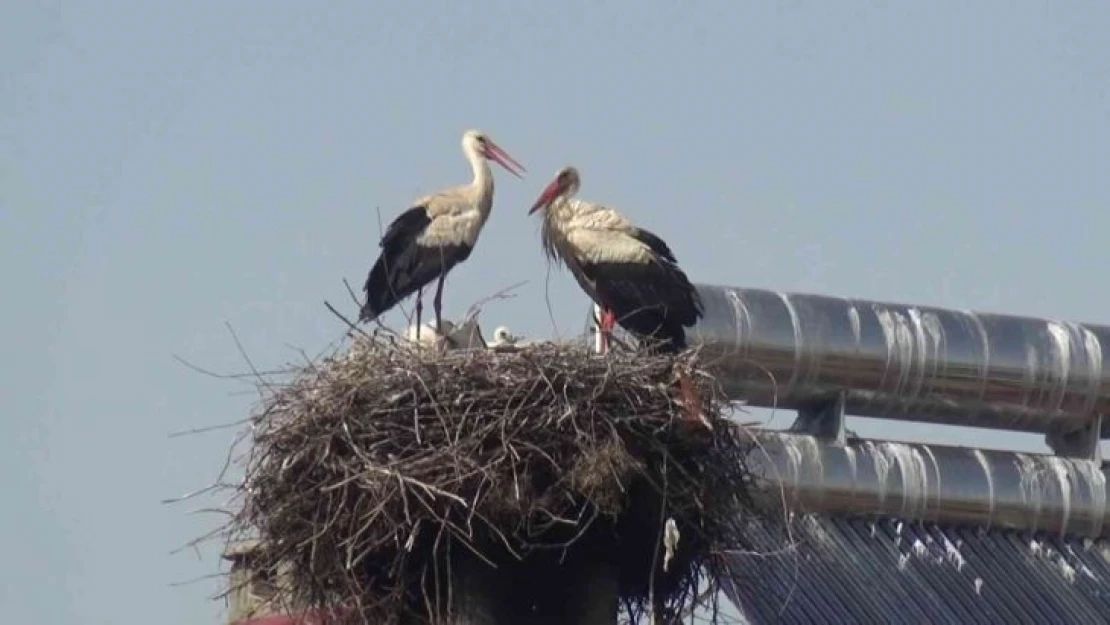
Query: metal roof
{"x": 838, "y": 569}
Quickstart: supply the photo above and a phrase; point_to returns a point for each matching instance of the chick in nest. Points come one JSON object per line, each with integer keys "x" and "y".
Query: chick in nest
{"x": 463, "y": 336}
{"x": 504, "y": 340}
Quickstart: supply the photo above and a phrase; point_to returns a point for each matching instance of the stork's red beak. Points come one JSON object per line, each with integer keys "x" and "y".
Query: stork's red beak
{"x": 547, "y": 196}
{"x": 502, "y": 158}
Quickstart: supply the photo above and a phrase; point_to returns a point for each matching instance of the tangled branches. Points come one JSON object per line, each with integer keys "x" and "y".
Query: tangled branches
{"x": 372, "y": 476}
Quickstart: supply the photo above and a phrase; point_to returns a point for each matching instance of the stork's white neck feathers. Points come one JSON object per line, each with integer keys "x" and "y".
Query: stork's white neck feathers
{"x": 480, "y": 190}
{"x": 479, "y": 166}
{"x": 459, "y": 213}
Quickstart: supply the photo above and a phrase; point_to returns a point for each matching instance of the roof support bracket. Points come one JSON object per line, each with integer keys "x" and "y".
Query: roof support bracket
{"x": 823, "y": 419}
{"x": 1081, "y": 444}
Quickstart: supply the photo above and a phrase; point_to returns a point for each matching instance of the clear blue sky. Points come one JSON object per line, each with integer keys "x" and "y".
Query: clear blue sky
{"x": 166, "y": 168}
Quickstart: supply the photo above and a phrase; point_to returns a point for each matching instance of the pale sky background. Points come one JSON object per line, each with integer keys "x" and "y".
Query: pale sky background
{"x": 166, "y": 168}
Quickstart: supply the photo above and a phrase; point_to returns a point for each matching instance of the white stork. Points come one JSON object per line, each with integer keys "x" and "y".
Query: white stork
{"x": 438, "y": 232}
{"x": 463, "y": 336}
{"x": 629, "y": 272}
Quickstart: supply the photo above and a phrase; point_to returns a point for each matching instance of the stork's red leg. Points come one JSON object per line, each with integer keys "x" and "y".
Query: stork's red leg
{"x": 608, "y": 319}
{"x": 605, "y": 325}
{"x": 599, "y": 319}
{"x": 437, "y": 303}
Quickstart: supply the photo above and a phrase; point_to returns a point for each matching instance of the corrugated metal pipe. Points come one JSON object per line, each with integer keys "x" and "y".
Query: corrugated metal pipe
{"x": 900, "y": 361}
{"x": 918, "y": 363}
{"x": 934, "y": 483}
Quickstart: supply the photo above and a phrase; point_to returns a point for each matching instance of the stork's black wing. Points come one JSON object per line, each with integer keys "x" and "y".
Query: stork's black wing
{"x": 407, "y": 226}
{"x": 657, "y": 245}
{"x": 652, "y": 300}
{"x": 404, "y": 265}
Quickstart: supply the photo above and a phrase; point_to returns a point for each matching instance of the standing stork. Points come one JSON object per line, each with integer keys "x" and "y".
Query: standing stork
{"x": 629, "y": 272}
{"x": 438, "y": 232}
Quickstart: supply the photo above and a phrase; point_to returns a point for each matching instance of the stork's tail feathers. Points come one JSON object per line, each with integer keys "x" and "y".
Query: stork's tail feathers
{"x": 368, "y": 313}
{"x": 380, "y": 294}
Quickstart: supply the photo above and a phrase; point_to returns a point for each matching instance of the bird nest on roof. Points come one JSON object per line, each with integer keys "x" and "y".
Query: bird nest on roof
{"x": 372, "y": 472}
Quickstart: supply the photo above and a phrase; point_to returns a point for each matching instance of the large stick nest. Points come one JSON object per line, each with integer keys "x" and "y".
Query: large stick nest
{"x": 369, "y": 470}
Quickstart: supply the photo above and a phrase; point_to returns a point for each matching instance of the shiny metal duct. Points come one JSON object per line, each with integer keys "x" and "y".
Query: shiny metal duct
{"x": 909, "y": 362}
{"x": 934, "y": 483}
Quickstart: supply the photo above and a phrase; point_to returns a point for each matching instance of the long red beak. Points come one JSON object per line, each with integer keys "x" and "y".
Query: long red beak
{"x": 546, "y": 197}
{"x": 502, "y": 158}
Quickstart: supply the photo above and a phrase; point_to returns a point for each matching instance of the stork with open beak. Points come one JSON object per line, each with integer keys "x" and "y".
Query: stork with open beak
{"x": 629, "y": 272}
{"x": 438, "y": 232}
